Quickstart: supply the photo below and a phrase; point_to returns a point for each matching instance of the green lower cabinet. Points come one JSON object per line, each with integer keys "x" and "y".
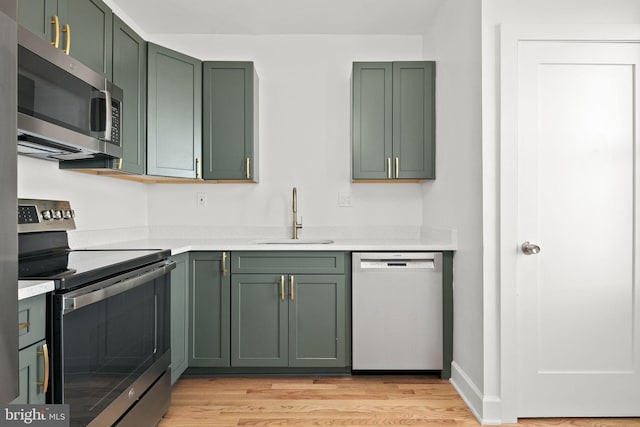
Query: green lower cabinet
{"x": 295, "y": 317}
{"x": 32, "y": 374}
{"x": 317, "y": 321}
{"x": 259, "y": 316}
{"x": 209, "y": 309}
{"x": 179, "y": 316}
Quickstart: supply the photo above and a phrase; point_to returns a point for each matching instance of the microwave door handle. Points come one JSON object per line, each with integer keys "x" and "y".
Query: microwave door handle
{"x": 108, "y": 115}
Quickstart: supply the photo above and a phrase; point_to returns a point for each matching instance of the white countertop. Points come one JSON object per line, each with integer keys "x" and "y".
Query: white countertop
{"x": 428, "y": 242}
{"x": 179, "y": 246}
{"x": 32, "y": 288}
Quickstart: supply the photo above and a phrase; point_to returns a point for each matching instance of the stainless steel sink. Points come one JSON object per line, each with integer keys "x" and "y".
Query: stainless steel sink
{"x": 293, "y": 242}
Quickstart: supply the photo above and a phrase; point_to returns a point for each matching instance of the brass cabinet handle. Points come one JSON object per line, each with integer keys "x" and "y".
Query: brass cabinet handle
{"x": 24, "y": 325}
{"x": 224, "y": 263}
{"x": 388, "y": 167}
{"x": 45, "y": 383}
{"x": 56, "y": 24}
{"x": 248, "y": 167}
{"x": 282, "y": 288}
{"x": 120, "y": 163}
{"x": 67, "y": 29}
{"x": 291, "y": 287}
{"x": 397, "y": 166}
{"x": 197, "y": 167}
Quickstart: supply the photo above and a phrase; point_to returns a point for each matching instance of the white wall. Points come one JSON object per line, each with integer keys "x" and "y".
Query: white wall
{"x": 100, "y": 203}
{"x": 499, "y": 378}
{"x": 454, "y": 199}
{"x": 305, "y": 140}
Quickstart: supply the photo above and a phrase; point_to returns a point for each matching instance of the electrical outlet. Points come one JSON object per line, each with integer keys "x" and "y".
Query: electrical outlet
{"x": 344, "y": 199}
{"x": 201, "y": 200}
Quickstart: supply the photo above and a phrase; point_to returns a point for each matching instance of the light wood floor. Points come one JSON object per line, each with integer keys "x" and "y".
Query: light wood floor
{"x": 332, "y": 401}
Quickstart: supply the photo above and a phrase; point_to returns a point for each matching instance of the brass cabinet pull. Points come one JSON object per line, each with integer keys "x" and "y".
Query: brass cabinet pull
{"x": 56, "y": 38}
{"x": 224, "y": 263}
{"x": 291, "y": 287}
{"x": 24, "y": 325}
{"x": 248, "y": 167}
{"x": 67, "y": 29}
{"x": 397, "y": 166}
{"x": 197, "y": 167}
{"x": 45, "y": 383}
{"x": 120, "y": 163}
{"x": 388, "y": 167}
{"x": 282, "y": 288}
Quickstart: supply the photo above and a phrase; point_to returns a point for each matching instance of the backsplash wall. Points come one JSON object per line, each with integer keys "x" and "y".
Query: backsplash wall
{"x": 304, "y": 122}
{"x": 305, "y": 136}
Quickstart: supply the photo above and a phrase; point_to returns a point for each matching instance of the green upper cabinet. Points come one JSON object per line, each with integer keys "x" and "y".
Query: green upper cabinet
{"x": 130, "y": 74}
{"x": 39, "y": 16}
{"x": 83, "y": 28}
{"x": 174, "y": 113}
{"x": 393, "y": 120}
{"x": 91, "y": 24}
{"x": 229, "y": 121}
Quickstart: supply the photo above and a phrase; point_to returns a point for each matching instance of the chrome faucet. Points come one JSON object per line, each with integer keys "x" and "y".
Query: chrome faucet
{"x": 296, "y": 226}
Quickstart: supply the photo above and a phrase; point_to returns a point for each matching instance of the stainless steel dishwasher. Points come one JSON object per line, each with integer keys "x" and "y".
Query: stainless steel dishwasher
{"x": 397, "y": 311}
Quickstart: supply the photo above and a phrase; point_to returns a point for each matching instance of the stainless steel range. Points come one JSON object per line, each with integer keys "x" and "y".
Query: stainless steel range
{"x": 108, "y": 320}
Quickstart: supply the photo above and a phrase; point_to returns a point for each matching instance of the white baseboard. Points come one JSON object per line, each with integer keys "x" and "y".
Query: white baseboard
{"x": 487, "y": 409}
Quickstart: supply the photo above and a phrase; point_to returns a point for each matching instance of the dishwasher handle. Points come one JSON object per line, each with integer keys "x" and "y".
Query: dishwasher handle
{"x": 429, "y": 261}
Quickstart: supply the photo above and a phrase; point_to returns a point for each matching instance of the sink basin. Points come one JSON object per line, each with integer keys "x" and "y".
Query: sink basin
{"x": 293, "y": 242}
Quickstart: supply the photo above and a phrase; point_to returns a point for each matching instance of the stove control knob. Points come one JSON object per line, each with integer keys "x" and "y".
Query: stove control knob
{"x": 67, "y": 214}
{"x": 47, "y": 215}
{"x": 57, "y": 214}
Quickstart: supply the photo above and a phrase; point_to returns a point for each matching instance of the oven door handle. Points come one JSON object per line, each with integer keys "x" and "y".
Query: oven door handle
{"x": 114, "y": 286}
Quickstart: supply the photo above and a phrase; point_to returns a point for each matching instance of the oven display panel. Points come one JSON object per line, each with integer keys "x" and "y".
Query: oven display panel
{"x": 27, "y": 214}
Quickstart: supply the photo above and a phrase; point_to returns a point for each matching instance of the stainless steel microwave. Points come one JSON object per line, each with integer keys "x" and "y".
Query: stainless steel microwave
{"x": 66, "y": 111}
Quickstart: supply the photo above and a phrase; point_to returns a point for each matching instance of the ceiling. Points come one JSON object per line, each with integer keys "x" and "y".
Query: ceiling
{"x": 401, "y": 17}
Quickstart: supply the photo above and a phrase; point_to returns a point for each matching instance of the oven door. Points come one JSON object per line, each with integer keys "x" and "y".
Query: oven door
{"x": 111, "y": 343}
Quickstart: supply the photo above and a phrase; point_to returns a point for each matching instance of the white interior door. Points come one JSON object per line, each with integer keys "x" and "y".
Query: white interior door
{"x": 578, "y": 298}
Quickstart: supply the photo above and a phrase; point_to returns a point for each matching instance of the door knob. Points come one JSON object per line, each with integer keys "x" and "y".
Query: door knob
{"x": 529, "y": 248}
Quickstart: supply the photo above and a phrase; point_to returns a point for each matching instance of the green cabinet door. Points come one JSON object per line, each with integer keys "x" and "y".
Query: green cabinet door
{"x": 414, "y": 120}
{"x": 229, "y": 121}
{"x": 289, "y": 309}
{"x": 372, "y": 120}
{"x": 317, "y": 320}
{"x": 209, "y": 303}
{"x": 130, "y": 74}
{"x": 259, "y": 313}
{"x": 31, "y": 374}
{"x": 179, "y": 316}
{"x": 82, "y": 26}
{"x": 393, "y": 120}
{"x": 90, "y": 33}
{"x": 174, "y": 113}
{"x": 38, "y": 16}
